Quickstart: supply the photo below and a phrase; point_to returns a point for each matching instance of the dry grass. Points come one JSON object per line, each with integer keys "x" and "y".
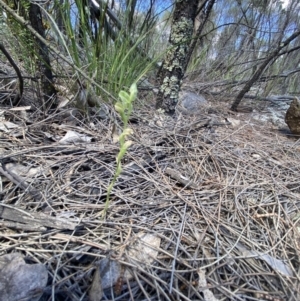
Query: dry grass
{"x": 240, "y": 202}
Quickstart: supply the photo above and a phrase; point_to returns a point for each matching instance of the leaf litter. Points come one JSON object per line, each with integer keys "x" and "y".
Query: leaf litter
{"x": 201, "y": 211}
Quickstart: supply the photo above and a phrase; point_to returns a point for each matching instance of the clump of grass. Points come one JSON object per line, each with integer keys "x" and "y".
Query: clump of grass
{"x": 114, "y": 59}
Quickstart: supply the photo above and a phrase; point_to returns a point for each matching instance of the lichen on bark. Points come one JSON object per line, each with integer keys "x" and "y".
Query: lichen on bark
{"x": 173, "y": 68}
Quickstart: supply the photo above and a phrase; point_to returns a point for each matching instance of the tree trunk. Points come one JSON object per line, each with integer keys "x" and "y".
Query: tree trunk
{"x": 173, "y": 68}
{"x": 44, "y": 66}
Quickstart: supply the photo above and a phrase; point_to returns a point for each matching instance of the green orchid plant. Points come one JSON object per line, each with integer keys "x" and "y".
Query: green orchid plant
{"x": 124, "y": 107}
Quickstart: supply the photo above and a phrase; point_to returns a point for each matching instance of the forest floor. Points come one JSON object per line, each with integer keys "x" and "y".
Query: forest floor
{"x": 206, "y": 207}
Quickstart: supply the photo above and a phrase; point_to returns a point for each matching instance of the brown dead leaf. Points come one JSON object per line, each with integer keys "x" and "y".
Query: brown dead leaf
{"x": 96, "y": 291}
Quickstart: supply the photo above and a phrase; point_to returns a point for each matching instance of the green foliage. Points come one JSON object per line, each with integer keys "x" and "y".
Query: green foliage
{"x": 111, "y": 53}
{"x": 24, "y": 37}
{"x": 110, "y": 56}
{"x": 124, "y": 108}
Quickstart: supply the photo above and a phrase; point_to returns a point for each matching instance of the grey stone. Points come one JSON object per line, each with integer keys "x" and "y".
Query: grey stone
{"x": 109, "y": 272}
{"x": 21, "y": 281}
{"x": 191, "y": 102}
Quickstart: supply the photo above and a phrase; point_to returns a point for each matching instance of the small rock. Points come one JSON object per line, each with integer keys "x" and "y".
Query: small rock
{"x": 292, "y": 117}
{"x": 109, "y": 272}
{"x": 21, "y": 281}
{"x": 190, "y": 102}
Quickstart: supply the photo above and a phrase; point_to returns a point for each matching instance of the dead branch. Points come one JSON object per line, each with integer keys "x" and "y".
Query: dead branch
{"x": 18, "y": 96}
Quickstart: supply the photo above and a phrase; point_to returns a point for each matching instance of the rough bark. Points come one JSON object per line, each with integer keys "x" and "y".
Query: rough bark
{"x": 172, "y": 70}
{"x": 44, "y": 66}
